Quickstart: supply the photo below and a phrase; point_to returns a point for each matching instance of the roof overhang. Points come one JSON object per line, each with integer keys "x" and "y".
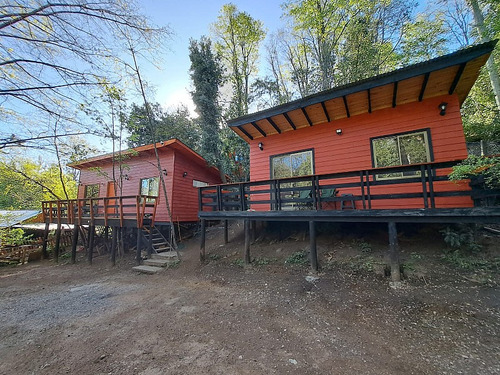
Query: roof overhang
{"x": 141, "y": 151}
{"x": 455, "y": 73}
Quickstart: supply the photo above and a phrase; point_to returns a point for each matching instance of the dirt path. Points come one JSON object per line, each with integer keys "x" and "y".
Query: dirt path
{"x": 220, "y": 318}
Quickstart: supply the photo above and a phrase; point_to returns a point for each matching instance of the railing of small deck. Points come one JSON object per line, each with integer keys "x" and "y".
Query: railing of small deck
{"x": 416, "y": 183}
{"x": 79, "y": 211}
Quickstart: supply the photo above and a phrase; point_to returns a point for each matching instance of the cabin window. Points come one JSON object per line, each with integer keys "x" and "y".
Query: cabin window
{"x": 91, "y": 191}
{"x": 150, "y": 186}
{"x": 292, "y": 165}
{"x": 198, "y": 184}
{"x": 401, "y": 149}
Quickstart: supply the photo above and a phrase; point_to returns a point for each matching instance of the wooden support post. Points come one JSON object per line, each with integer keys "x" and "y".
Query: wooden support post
{"x": 138, "y": 248}
{"x": 114, "y": 244}
{"x": 312, "y": 245}
{"x": 150, "y": 242}
{"x": 90, "y": 250}
{"x": 74, "y": 243}
{"x": 45, "y": 254}
{"x": 253, "y": 231}
{"x": 226, "y": 234}
{"x": 58, "y": 242}
{"x": 247, "y": 241}
{"x": 202, "y": 240}
{"x": 394, "y": 252}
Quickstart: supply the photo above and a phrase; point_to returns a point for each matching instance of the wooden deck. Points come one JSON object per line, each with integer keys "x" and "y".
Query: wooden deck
{"x": 421, "y": 193}
{"x": 126, "y": 211}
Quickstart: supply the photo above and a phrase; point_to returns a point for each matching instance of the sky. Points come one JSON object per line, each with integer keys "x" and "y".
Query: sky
{"x": 191, "y": 19}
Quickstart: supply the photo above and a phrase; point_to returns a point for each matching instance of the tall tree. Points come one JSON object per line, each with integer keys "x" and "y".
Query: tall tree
{"x": 54, "y": 56}
{"x": 206, "y": 75}
{"x": 237, "y": 40}
{"x": 174, "y": 124}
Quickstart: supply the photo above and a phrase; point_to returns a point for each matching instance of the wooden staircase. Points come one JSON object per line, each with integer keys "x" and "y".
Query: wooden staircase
{"x": 160, "y": 254}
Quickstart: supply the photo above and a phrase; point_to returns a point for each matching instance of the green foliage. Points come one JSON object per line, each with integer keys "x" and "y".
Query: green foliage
{"x": 299, "y": 258}
{"x": 25, "y": 184}
{"x": 461, "y": 237}
{"x": 471, "y": 262}
{"x": 364, "y": 246}
{"x": 13, "y": 236}
{"x": 488, "y": 167}
{"x": 239, "y": 262}
{"x": 262, "y": 261}
{"x": 214, "y": 257}
{"x": 166, "y": 125}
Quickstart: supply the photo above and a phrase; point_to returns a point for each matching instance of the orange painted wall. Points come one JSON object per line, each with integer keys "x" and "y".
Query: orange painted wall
{"x": 178, "y": 188}
{"x": 351, "y": 151}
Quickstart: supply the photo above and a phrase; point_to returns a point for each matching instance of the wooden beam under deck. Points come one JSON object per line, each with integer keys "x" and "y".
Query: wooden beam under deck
{"x": 488, "y": 215}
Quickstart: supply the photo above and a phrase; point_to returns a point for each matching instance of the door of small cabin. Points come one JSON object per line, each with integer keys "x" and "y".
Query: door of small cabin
{"x": 112, "y": 204}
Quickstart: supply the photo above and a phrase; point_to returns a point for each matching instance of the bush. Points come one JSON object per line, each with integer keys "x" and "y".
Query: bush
{"x": 488, "y": 167}
{"x": 12, "y": 237}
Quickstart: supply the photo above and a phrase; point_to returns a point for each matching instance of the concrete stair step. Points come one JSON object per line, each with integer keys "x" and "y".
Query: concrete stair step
{"x": 156, "y": 262}
{"x": 151, "y": 270}
{"x": 167, "y": 255}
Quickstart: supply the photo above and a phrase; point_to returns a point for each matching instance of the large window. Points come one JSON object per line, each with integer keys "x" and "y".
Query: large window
{"x": 401, "y": 149}
{"x": 292, "y": 165}
{"x": 91, "y": 191}
{"x": 150, "y": 186}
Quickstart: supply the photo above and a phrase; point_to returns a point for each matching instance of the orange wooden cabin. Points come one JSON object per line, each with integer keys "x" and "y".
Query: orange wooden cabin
{"x": 183, "y": 170}
{"x": 386, "y": 142}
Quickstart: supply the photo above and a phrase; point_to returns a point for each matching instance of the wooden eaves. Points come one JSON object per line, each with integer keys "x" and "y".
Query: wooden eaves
{"x": 454, "y": 73}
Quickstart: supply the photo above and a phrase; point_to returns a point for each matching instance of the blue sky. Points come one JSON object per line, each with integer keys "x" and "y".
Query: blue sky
{"x": 192, "y": 19}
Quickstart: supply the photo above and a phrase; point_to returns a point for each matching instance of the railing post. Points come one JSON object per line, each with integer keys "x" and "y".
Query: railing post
{"x": 242, "y": 197}
{"x": 362, "y": 185}
{"x": 430, "y": 179}
{"x": 424, "y": 186}
{"x": 200, "y": 200}
{"x": 219, "y": 198}
{"x": 278, "y": 194}
{"x": 314, "y": 192}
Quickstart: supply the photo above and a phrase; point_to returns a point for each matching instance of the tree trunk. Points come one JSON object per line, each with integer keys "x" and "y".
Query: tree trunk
{"x": 490, "y": 65}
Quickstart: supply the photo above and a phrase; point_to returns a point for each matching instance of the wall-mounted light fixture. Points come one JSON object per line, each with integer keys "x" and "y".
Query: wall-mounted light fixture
{"x": 261, "y": 146}
{"x": 164, "y": 172}
{"x": 442, "y": 108}
{"x": 338, "y": 131}
{"x": 126, "y": 177}
{"x": 184, "y": 174}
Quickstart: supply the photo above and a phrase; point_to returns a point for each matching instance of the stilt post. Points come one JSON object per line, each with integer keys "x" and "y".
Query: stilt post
{"x": 114, "y": 245}
{"x": 312, "y": 246}
{"x": 394, "y": 252}
{"x": 247, "y": 242}
{"x": 90, "y": 250}
{"x": 58, "y": 242}
{"x": 202, "y": 240}
{"x": 150, "y": 242}
{"x": 74, "y": 243}
{"x": 45, "y": 254}
{"x": 226, "y": 234}
{"x": 138, "y": 248}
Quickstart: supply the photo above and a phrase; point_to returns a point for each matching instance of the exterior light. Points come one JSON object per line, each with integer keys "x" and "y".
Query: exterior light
{"x": 338, "y": 131}
{"x": 442, "y": 108}
{"x": 261, "y": 146}
{"x": 164, "y": 172}
{"x": 184, "y": 174}
{"x": 126, "y": 177}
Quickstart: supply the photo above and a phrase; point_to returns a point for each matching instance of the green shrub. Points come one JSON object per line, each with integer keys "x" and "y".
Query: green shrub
{"x": 299, "y": 257}
{"x": 489, "y": 167}
{"x": 13, "y": 237}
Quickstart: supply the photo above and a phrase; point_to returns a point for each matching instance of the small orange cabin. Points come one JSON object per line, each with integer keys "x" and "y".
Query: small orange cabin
{"x": 183, "y": 169}
{"x": 390, "y": 128}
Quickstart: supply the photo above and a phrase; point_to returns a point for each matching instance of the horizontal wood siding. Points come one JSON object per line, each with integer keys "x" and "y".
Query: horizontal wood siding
{"x": 137, "y": 167}
{"x": 351, "y": 151}
{"x": 185, "y": 196}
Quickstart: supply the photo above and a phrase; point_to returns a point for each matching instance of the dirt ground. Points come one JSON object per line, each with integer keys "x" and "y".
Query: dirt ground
{"x": 270, "y": 318}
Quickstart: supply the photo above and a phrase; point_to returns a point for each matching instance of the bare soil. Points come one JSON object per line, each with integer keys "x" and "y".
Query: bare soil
{"x": 270, "y": 318}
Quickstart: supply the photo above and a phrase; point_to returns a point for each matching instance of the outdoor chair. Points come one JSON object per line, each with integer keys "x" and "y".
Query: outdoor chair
{"x": 326, "y": 195}
{"x": 347, "y": 202}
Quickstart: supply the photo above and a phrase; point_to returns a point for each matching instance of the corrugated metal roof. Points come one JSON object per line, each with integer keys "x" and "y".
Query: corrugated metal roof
{"x": 9, "y": 218}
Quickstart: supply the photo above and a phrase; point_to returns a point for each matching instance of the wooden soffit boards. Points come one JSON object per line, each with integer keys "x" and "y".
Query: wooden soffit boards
{"x": 450, "y": 74}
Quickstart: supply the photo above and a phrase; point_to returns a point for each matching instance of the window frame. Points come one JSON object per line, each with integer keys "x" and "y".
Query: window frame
{"x": 429, "y": 151}
{"x": 86, "y": 188}
{"x": 149, "y": 200}
{"x": 290, "y": 153}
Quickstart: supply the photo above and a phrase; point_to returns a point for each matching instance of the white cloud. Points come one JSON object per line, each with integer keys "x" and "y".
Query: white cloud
{"x": 179, "y": 97}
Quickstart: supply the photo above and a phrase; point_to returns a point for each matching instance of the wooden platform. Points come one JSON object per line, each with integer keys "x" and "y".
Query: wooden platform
{"x": 425, "y": 215}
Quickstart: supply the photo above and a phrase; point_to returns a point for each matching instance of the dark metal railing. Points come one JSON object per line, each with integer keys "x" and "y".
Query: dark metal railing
{"x": 419, "y": 184}
{"x": 90, "y": 210}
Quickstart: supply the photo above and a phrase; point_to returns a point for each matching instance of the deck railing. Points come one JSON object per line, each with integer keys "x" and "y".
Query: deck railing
{"x": 416, "y": 186}
{"x": 105, "y": 210}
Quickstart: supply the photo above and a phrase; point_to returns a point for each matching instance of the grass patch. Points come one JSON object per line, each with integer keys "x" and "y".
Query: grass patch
{"x": 298, "y": 258}
{"x": 471, "y": 262}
